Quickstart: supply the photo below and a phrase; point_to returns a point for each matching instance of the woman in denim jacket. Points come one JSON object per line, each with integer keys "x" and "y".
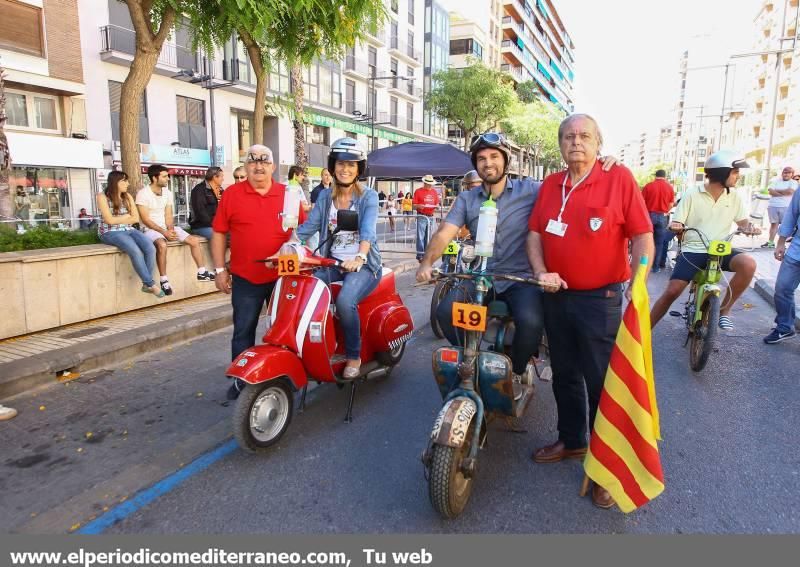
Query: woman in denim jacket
{"x": 357, "y": 250}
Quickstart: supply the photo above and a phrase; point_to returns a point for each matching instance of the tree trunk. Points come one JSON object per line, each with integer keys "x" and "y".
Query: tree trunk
{"x": 300, "y": 155}
{"x": 6, "y": 197}
{"x": 148, "y": 48}
{"x": 260, "y": 103}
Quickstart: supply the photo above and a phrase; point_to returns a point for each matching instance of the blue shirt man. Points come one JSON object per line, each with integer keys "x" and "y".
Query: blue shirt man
{"x": 788, "y": 275}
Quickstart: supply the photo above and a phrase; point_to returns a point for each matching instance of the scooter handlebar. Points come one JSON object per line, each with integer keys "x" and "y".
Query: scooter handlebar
{"x": 507, "y": 277}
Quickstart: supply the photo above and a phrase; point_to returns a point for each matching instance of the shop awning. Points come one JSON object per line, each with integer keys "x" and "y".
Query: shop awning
{"x": 182, "y": 170}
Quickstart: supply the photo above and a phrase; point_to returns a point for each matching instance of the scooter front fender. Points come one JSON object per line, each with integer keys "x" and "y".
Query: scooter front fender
{"x": 267, "y": 362}
{"x": 452, "y": 423}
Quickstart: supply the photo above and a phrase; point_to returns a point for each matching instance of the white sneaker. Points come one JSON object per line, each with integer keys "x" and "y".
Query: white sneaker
{"x": 7, "y": 413}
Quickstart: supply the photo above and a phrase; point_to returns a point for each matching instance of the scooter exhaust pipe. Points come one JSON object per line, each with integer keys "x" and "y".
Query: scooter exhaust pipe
{"x": 383, "y": 371}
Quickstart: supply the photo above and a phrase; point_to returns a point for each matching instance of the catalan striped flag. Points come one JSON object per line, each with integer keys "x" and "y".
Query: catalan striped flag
{"x": 623, "y": 454}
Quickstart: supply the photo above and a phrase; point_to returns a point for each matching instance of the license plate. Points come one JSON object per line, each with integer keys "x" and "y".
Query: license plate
{"x": 288, "y": 265}
{"x": 719, "y": 248}
{"x": 469, "y": 317}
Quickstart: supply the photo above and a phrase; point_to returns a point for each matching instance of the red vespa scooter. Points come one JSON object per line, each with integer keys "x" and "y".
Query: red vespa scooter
{"x": 304, "y": 342}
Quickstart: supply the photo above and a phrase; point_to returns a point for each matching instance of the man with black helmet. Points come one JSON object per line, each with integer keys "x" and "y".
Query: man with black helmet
{"x": 490, "y": 155}
{"x": 712, "y": 210}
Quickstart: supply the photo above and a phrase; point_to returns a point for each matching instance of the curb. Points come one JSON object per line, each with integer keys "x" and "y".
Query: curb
{"x": 38, "y": 371}
{"x": 766, "y": 289}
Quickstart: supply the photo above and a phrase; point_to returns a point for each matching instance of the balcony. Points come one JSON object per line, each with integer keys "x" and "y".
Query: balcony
{"x": 406, "y": 52}
{"x": 357, "y": 110}
{"x": 118, "y": 45}
{"x": 404, "y": 88}
{"x": 514, "y": 70}
{"x": 512, "y": 51}
{"x": 510, "y": 23}
{"x": 360, "y": 69}
{"x": 400, "y": 121}
{"x": 378, "y": 38}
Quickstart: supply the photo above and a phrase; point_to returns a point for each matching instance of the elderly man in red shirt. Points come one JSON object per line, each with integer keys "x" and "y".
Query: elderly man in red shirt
{"x": 426, "y": 199}
{"x": 578, "y": 244}
{"x": 251, "y": 212}
{"x": 659, "y": 196}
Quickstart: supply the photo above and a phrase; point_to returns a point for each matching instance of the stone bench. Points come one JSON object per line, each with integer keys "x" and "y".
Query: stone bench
{"x": 49, "y": 288}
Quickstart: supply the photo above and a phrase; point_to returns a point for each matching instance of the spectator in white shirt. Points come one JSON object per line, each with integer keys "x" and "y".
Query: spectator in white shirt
{"x": 781, "y": 191}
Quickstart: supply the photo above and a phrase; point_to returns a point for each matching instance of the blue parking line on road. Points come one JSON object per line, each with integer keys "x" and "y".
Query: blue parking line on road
{"x": 160, "y": 488}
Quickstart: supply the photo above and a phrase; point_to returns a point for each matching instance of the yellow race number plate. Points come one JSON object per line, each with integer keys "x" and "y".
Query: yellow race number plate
{"x": 719, "y": 248}
{"x": 452, "y": 249}
{"x": 469, "y": 317}
{"x": 288, "y": 265}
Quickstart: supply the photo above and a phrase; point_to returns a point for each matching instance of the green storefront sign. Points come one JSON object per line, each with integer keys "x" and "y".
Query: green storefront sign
{"x": 348, "y": 126}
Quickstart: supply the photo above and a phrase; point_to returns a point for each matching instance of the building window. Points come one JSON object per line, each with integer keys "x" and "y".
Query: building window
{"x": 32, "y": 111}
{"x": 466, "y": 47}
{"x": 395, "y": 7}
{"x": 409, "y": 117}
{"x": 393, "y": 118}
{"x": 349, "y": 96}
{"x": 244, "y": 129}
{"x": 393, "y": 34}
{"x": 22, "y": 28}
{"x": 192, "y": 123}
{"x": 372, "y": 55}
{"x": 411, "y": 12}
{"x": 410, "y": 51}
{"x": 114, "y": 93}
{"x": 317, "y": 134}
{"x": 41, "y": 194}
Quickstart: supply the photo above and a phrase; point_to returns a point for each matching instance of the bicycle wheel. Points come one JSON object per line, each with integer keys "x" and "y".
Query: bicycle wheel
{"x": 705, "y": 332}
{"x": 439, "y": 292}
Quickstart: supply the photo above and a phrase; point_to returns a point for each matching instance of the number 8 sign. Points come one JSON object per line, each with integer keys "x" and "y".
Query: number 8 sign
{"x": 469, "y": 317}
{"x": 288, "y": 265}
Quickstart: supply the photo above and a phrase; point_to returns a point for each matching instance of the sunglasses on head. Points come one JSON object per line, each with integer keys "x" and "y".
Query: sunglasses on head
{"x": 490, "y": 138}
{"x": 264, "y": 158}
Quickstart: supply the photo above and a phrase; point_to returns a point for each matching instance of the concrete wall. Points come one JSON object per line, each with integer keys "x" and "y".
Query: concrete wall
{"x": 43, "y": 289}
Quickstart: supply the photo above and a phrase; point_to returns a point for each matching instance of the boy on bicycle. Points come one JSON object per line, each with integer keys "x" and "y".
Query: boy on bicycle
{"x": 711, "y": 210}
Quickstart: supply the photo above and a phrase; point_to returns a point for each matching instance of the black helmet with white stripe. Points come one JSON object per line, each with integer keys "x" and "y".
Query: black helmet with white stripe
{"x": 348, "y": 149}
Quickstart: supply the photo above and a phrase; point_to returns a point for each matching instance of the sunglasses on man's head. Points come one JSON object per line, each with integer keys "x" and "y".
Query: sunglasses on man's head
{"x": 264, "y": 158}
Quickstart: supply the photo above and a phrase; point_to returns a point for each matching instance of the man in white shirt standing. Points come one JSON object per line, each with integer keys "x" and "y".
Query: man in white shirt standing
{"x": 781, "y": 191}
{"x": 155, "y": 211}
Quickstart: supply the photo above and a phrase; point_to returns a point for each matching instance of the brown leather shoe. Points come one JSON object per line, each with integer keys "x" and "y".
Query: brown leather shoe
{"x": 601, "y": 497}
{"x": 557, "y": 452}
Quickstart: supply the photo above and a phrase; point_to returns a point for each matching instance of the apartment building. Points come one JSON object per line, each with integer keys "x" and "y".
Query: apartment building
{"x": 374, "y": 94}
{"x": 537, "y": 47}
{"x": 774, "y": 89}
{"x": 54, "y": 165}
{"x": 437, "y": 53}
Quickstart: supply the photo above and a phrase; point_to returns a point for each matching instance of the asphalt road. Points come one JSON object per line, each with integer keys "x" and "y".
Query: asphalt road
{"x": 727, "y": 450}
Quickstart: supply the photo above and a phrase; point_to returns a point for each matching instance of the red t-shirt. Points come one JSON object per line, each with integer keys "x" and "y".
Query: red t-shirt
{"x": 601, "y": 215}
{"x": 429, "y": 197}
{"x": 254, "y": 223}
{"x": 658, "y": 196}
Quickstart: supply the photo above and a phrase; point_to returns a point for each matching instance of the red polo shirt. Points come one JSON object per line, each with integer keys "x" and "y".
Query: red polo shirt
{"x": 254, "y": 223}
{"x": 601, "y": 215}
{"x": 429, "y": 197}
{"x": 658, "y": 196}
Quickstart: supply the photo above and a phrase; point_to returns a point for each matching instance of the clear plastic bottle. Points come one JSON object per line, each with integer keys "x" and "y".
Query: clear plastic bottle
{"x": 291, "y": 205}
{"x": 487, "y": 225}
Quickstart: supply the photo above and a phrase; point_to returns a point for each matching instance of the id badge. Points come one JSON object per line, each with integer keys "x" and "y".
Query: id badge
{"x": 556, "y": 227}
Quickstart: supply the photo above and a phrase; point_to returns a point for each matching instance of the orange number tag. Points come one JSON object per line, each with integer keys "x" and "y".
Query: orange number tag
{"x": 288, "y": 265}
{"x": 469, "y": 317}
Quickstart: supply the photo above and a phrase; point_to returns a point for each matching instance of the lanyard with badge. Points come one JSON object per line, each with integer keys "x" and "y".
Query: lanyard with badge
{"x": 555, "y": 226}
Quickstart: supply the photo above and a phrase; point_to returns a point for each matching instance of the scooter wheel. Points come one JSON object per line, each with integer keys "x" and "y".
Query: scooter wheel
{"x": 448, "y": 488}
{"x": 262, "y": 415}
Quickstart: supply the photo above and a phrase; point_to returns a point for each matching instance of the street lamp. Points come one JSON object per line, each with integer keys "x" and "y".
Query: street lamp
{"x": 207, "y": 82}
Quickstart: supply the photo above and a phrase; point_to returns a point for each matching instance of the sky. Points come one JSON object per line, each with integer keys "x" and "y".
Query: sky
{"x": 628, "y": 58}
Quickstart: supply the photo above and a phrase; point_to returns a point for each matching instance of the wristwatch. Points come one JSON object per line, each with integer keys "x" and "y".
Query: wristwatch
{"x": 362, "y": 256}
{"x": 219, "y": 270}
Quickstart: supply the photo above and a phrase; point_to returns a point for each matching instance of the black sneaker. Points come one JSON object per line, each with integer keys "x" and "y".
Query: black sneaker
{"x": 236, "y": 389}
{"x": 166, "y": 288}
{"x": 776, "y": 336}
{"x": 205, "y": 276}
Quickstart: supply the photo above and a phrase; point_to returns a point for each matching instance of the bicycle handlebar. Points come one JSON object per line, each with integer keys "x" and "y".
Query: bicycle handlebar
{"x": 437, "y": 275}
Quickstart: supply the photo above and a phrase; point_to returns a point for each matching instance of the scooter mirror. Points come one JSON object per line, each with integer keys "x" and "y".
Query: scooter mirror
{"x": 346, "y": 220}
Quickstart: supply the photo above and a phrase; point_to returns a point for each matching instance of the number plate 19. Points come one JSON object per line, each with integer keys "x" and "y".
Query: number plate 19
{"x": 719, "y": 248}
{"x": 469, "y": 317}
{"x": 288, "y": 265}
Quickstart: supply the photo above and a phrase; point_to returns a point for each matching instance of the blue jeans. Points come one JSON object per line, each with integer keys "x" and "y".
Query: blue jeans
{"x": 662, "y": 258}
{"x": 247, "y": 300}
{"x": 785, "y": 285}
{"x": 356, "y": 286}
{"x": 524, "y": 302}
{"x": 205, "y": 232}
{"x": 138, "y": 247}
{"x": 424, "y": 234}
{"x": 659, "y": 233}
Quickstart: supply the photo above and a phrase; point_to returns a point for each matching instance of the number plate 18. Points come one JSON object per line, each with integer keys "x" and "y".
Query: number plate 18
{"x": 288, "y": 265}
{"x": 719, "y": 248}
{"x": 469, "y": 317}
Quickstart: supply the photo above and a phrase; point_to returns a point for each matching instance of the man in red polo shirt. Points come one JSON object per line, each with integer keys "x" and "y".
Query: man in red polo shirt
{"x": 250, "y": 211}
{"x": 426, "y": 199}
{"x": 578, "y": 243}
{"x": 659, "y": 196}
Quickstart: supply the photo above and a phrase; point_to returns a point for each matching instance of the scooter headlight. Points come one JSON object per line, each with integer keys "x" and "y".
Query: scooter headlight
{"x": 468, "y": 252}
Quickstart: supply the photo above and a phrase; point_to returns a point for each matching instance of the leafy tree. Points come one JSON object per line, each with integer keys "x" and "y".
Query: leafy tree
{"x": 474, "y": 98}
{"x": 6, "y": 198}
{"x": 646, "y": 175}
{"x": 153, "y": 21}
{"x": 534, "y": 126}
{"x": 528, "y": 92}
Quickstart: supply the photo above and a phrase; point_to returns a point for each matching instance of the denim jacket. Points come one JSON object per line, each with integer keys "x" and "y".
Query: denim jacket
{"x": 367, "y": 207}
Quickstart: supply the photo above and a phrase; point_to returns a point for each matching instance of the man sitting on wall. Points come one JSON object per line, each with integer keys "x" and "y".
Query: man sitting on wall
{"x": 155, "y": 211}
